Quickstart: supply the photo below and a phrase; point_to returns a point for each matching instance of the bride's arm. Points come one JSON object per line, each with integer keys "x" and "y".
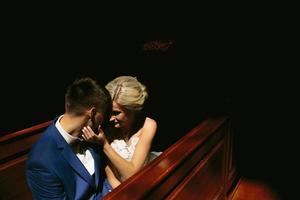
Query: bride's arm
{"x": 128, "y": 168}
{"x": 124, "y": 167}
{"x": 112, "y": 179}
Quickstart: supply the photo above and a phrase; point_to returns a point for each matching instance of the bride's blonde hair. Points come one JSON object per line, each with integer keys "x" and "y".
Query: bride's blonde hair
{"x": 128, "y": 92}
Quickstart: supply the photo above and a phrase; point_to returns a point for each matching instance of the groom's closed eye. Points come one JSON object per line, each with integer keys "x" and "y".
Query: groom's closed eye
{"x": 115, "y": 113}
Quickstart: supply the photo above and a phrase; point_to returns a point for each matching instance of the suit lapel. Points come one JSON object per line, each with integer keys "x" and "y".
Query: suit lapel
{"x": 97, "y": 167}
{"x": 72, "y": 159}
{"x": 77, "y": 165}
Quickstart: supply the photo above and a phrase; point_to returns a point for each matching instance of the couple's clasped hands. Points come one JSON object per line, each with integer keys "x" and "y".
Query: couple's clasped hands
{"x": 90, "y": 136}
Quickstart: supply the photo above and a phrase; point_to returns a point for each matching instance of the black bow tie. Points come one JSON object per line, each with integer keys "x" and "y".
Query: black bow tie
{"x": 79, "y": 146}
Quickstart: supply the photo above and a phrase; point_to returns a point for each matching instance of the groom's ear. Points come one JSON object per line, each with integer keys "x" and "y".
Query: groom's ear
{"x": 91, "y": 112}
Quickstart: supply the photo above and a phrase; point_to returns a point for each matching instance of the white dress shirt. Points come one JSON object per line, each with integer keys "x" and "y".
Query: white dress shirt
{"x": 85, "y": 157}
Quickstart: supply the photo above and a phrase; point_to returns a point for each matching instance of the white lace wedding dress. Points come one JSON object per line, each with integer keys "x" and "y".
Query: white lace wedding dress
{"x": 127, "y": 151}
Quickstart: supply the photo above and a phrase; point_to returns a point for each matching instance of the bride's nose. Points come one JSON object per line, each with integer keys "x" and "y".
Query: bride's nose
{"x": 112, "y": 118}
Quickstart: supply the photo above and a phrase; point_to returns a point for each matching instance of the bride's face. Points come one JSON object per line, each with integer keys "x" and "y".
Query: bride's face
{"x": 121, "y": 117}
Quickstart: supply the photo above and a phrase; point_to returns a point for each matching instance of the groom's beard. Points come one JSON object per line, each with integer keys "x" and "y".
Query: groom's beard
{"x": 94, "y": 126}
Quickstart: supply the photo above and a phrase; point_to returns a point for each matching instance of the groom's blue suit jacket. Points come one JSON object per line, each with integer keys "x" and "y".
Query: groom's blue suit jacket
{"x": 55, "y": 172}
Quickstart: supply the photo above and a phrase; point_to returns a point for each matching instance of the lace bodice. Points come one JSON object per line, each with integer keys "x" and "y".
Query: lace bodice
{"x": 123, "y": 149}
{"x": 127, "y": 152}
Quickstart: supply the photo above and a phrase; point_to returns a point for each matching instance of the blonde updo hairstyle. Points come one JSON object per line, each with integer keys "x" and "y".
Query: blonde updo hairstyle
{"x": 128, "y": 92}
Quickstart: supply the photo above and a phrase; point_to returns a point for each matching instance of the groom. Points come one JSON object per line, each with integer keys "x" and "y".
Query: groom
{"x": 60, "y": 165}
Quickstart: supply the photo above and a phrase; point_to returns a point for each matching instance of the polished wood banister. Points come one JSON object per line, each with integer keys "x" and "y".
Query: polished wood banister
{"x": 17, "y": 144}
{"x": 157, "y": 173}
{"x": 203, "y": 154}
{"x": 24, "y": 132}
{"x": 13, "y": 155}
{"x": 180, "y": 191}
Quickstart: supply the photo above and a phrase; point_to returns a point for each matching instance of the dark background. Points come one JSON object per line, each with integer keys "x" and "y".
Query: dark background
{"x": 240, "y": 69}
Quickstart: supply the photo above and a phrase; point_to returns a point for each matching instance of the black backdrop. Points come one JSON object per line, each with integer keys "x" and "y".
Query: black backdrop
{"x": 240, "y": 73}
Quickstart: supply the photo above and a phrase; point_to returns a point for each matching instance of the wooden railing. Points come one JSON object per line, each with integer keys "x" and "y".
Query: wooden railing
{"x": 13, "y": 151}
{"x": 198, "y": 166}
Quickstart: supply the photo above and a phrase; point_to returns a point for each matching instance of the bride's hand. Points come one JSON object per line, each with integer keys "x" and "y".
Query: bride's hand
{"x": 90, "y": 136}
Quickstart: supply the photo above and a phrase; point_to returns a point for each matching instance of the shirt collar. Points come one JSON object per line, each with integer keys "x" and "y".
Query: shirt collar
{"x": 69, "y": 138}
